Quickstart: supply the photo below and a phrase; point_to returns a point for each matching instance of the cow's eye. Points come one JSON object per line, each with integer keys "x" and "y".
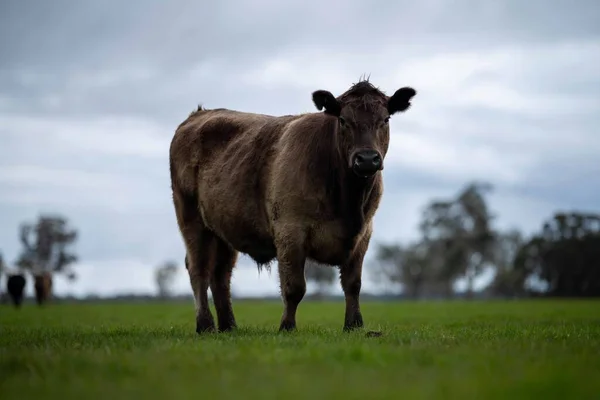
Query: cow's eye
{"x": 342, "y": 121}
{"x": 386, "y": 120}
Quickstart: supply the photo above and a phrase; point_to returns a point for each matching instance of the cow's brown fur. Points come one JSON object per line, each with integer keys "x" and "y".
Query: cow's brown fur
{"x": 43, "y": 287}
{"x": 279, "y": 188}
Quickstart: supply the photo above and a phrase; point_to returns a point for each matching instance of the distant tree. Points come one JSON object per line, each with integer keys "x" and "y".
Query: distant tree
{"x": 322, "y": 275}
{"x": 46, "y": 246}
{"x": 409, "y": 266}
{"x": 457, "y": 240}
{"x": 510, "y": 278}
{"x": 460, "y": 231}
{"x": 164, "y": 277}
{"x": 565, "y": 255}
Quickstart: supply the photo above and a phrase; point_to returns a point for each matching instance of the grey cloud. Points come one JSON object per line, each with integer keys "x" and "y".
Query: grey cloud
{"x": 186, "y": 31}
{"x": 169, "y": 40}
{"x": 67, "y": 35}
{"x": 149, "y": 237}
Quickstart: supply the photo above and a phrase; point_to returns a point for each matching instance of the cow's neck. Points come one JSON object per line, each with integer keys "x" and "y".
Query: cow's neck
{"x": 356, "y": 193}
{"x": 347, "y": 192}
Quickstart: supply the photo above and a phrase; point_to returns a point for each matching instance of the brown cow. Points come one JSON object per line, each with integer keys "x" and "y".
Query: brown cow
{"x": 288, "y": 188}
{"x": 43, "y": 287}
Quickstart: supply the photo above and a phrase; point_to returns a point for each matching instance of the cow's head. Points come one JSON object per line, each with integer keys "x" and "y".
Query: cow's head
{"x": 363, "y": 114}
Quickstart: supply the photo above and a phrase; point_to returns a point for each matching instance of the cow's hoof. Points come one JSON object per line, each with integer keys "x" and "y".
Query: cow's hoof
{"x": 355, "y": 323}
{"x": 205, "y": 325}
{"x": 227, "y": 327}
{"x": 287, "y": 326}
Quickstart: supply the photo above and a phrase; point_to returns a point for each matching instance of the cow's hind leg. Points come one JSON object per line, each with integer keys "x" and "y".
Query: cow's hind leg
{"x": 220, "y": 284}
{"x": 199, "y": 254}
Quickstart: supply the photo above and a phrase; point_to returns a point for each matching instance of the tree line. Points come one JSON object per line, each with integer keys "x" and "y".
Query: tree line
{"x": 457, "y": 241}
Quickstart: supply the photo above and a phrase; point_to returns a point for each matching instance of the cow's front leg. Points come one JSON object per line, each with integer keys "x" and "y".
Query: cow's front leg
{"x": 292, "y": 281}
{"x": 351, "y": 280}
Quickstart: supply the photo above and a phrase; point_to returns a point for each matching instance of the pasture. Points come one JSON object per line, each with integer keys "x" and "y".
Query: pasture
{"x": 484, "y": 350}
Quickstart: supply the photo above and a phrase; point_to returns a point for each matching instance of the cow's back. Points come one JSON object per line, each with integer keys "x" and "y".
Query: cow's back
{"x": 223, "y": 158}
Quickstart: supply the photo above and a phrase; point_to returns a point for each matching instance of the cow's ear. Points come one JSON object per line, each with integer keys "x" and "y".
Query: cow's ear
{"x": 400, "y": 101}
{"x": 325, "y": 100}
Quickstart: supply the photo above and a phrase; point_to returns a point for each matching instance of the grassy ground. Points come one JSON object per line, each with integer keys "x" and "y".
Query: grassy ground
{"x": 479, "y": 350}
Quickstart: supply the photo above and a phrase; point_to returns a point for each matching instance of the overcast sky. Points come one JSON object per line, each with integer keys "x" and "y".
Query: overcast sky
{"x": 91, "y": 93}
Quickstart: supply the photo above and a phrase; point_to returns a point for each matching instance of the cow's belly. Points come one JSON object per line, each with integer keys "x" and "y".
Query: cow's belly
{"x": 241, "y": 225}
{"x": 329, "y": 244}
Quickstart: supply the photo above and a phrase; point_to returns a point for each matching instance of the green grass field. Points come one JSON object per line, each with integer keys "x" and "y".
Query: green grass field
{"x": 478, "y": 350}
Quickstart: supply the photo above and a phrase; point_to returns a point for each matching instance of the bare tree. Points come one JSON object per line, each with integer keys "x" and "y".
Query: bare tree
{"x": 322, "y": 275}
{"x": 165, "y": 277}
{"x": 46, "y": 246}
